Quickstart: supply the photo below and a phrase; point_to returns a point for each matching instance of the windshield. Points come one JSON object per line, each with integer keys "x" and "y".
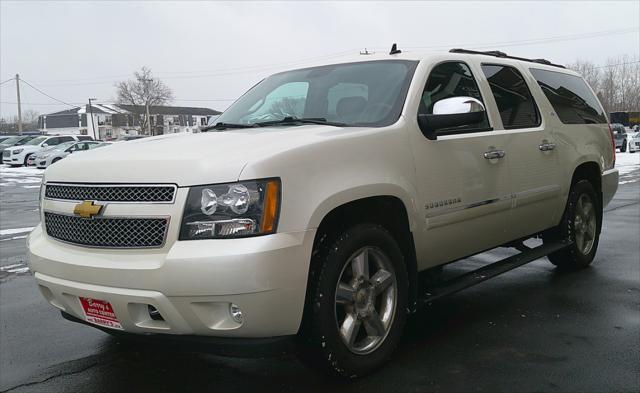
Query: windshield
{"x": 36, "y": 141}
{"x": 368, "y": 93}
{"x": 11, "y": 140}
{"x": 64, "y": 145}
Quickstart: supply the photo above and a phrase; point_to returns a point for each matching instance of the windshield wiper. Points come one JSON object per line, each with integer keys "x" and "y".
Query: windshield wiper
{"x": 224, "y": 126}
{"x": 304, "y": 120}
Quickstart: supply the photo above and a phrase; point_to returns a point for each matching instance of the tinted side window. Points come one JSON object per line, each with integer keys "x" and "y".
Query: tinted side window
{"x": 451, "y": 79}
{"x": 85, "y": 138}
{"x": 570, "y": 97}
{"x": 515, "y": 103}
{"x": 63, "y": 139}
{"x": 52, "y": 141}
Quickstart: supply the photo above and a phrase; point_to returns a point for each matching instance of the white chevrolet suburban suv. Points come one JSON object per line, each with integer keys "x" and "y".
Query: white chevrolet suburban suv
{"x": 324, "y": 202}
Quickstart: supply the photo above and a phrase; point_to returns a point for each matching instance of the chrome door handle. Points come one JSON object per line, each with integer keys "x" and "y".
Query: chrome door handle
{"x": 546, "y": 146}
{"x": 494, "y": 154}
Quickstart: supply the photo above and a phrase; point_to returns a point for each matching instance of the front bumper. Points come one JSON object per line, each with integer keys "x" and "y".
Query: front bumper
{"x": 191, "y": 285}
{"x": 225, "y": 346}
{"x": 610, "y": 180}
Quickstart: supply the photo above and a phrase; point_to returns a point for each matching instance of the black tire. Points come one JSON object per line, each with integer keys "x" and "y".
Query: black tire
{"x": 56, "y": 160}
{"x": 574, "y": 257}
{"x": 322, "y": 344}
{"x": 623, "y": 148}
{"x": 26, "y": 158}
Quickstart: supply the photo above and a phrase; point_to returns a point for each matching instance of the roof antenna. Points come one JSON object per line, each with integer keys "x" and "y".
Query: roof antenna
{"x": 394, "y": 49}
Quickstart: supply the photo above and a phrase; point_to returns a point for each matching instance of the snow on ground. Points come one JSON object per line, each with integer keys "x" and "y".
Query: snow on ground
{"x": 628, "y": 165}
{"x": 4, "y": 232}
{"x": 26, "y": 177}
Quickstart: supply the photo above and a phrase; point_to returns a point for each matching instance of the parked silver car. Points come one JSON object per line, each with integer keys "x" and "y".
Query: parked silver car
{"x": 49, "y": 156}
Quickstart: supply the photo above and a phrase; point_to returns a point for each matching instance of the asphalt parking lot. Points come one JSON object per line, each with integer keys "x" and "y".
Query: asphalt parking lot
{"x": 532, "y": 329}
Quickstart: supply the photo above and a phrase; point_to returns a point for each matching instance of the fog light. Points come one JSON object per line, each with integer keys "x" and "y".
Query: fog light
{"x": 235, "y": 312}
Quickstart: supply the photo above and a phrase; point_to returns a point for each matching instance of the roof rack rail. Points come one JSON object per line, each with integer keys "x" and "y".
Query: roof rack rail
{"x": 497, "y": 53}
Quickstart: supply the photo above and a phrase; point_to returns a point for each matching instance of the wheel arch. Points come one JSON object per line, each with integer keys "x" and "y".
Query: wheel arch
{"x": 592, "y": 172}
{"x": 389, "y": 211}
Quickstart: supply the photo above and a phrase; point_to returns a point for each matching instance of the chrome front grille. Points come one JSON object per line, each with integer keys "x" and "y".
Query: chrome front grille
{"x": 6, "y": 153}
{"x": 107, "y": 232}
{"x": 111, "y": 193}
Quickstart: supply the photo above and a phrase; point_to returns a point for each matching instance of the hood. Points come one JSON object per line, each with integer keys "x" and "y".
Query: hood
{"x": 186, "y": 159}
{"x": 27, "y": 148}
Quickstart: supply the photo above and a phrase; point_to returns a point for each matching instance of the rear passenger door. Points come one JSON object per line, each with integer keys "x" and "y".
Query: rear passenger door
{"x": 534, "y": 175}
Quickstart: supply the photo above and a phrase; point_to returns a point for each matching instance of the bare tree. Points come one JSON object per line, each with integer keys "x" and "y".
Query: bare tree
{"x": 617, "y": 83}
{"x": 30, "y": 119}
{"x": 589, "y": 72}
{"x": 143, "y": 91}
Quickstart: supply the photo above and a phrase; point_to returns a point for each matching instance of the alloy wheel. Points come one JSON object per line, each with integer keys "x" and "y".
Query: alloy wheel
{"x": 365, "y": 300}
{"x": 585, "y": 224}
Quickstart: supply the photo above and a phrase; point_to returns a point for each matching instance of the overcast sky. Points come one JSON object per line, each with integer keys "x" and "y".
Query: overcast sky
{"x": 211, "y": 52}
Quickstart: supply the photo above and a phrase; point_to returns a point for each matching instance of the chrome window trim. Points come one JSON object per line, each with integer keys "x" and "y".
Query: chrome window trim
{"x": 173, "y": 200}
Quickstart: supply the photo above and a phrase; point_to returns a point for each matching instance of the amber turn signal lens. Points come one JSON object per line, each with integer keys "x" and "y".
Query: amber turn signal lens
{"x": 271, "y": 204}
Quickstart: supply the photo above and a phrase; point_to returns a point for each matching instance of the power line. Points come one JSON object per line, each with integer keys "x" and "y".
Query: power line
{"x": 33, "y": 103}
{"x": 619, "y": 64}
{"x": 256, "y": 68}
{"x": 532, "y": 41}
{"x": 45, "y": 94}
{"x": 8, "y": 80}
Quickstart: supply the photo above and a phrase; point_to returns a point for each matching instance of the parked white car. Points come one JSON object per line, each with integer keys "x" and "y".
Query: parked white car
{"x": 19, "y": 155}
{"x": 49, "y": 156}
{"x": 309, "y": 209}
{"x": 634, "y": 142}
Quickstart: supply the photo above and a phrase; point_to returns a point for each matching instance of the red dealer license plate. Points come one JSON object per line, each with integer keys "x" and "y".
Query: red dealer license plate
{"x": 100, "y": 312}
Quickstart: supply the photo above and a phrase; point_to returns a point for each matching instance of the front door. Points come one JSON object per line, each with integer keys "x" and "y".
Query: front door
{"x": 462, "y": 177}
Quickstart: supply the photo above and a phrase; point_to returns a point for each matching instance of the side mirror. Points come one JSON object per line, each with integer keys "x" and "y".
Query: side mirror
{"x": 451, "y": 112}
{"x": 45, "y": 145}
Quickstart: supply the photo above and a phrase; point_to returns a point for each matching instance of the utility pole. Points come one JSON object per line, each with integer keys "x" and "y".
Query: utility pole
{"x": 19, "y": 108}
{"x": 148, "y": 120}
{"x": 146, "y": 103}
{"x": 93, "y": 126}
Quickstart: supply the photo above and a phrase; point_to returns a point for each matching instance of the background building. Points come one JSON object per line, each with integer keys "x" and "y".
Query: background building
{"x": 113, "y": 120}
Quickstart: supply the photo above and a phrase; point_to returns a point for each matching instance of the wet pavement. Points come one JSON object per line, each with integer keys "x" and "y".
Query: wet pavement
{"x": 532, "y": 329}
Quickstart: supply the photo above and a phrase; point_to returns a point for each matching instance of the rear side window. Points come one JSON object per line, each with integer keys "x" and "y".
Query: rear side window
{"x": 451, "y": 79}
{"x": 85, "y": 138}
{"x": 515, "y": 103}
{"x": 571, "y": 98}
{"x": 66, "y": 139}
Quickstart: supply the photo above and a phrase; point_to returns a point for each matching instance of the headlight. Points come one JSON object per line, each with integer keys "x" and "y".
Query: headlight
{"x": 17, "y": 151}
{"x": 242, "y": 209}
{"x": 41, "y": 198}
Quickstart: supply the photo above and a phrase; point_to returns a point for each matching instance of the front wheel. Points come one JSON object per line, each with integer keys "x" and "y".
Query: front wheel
{"x": 358, "y": 303}
{"x": 623, "y": 148}
{"x": 580, "y": 226}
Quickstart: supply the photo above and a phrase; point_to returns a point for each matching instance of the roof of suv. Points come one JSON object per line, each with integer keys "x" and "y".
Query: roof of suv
{"x": 443, "y": 56}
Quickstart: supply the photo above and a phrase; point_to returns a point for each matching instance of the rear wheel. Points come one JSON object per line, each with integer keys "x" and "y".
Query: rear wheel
{"x": 580, "y": 226}
{"x": 357, "y": 308}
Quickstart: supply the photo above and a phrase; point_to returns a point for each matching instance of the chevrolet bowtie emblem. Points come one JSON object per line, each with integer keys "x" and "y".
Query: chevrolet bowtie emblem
{"x": 87, "y": 209}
